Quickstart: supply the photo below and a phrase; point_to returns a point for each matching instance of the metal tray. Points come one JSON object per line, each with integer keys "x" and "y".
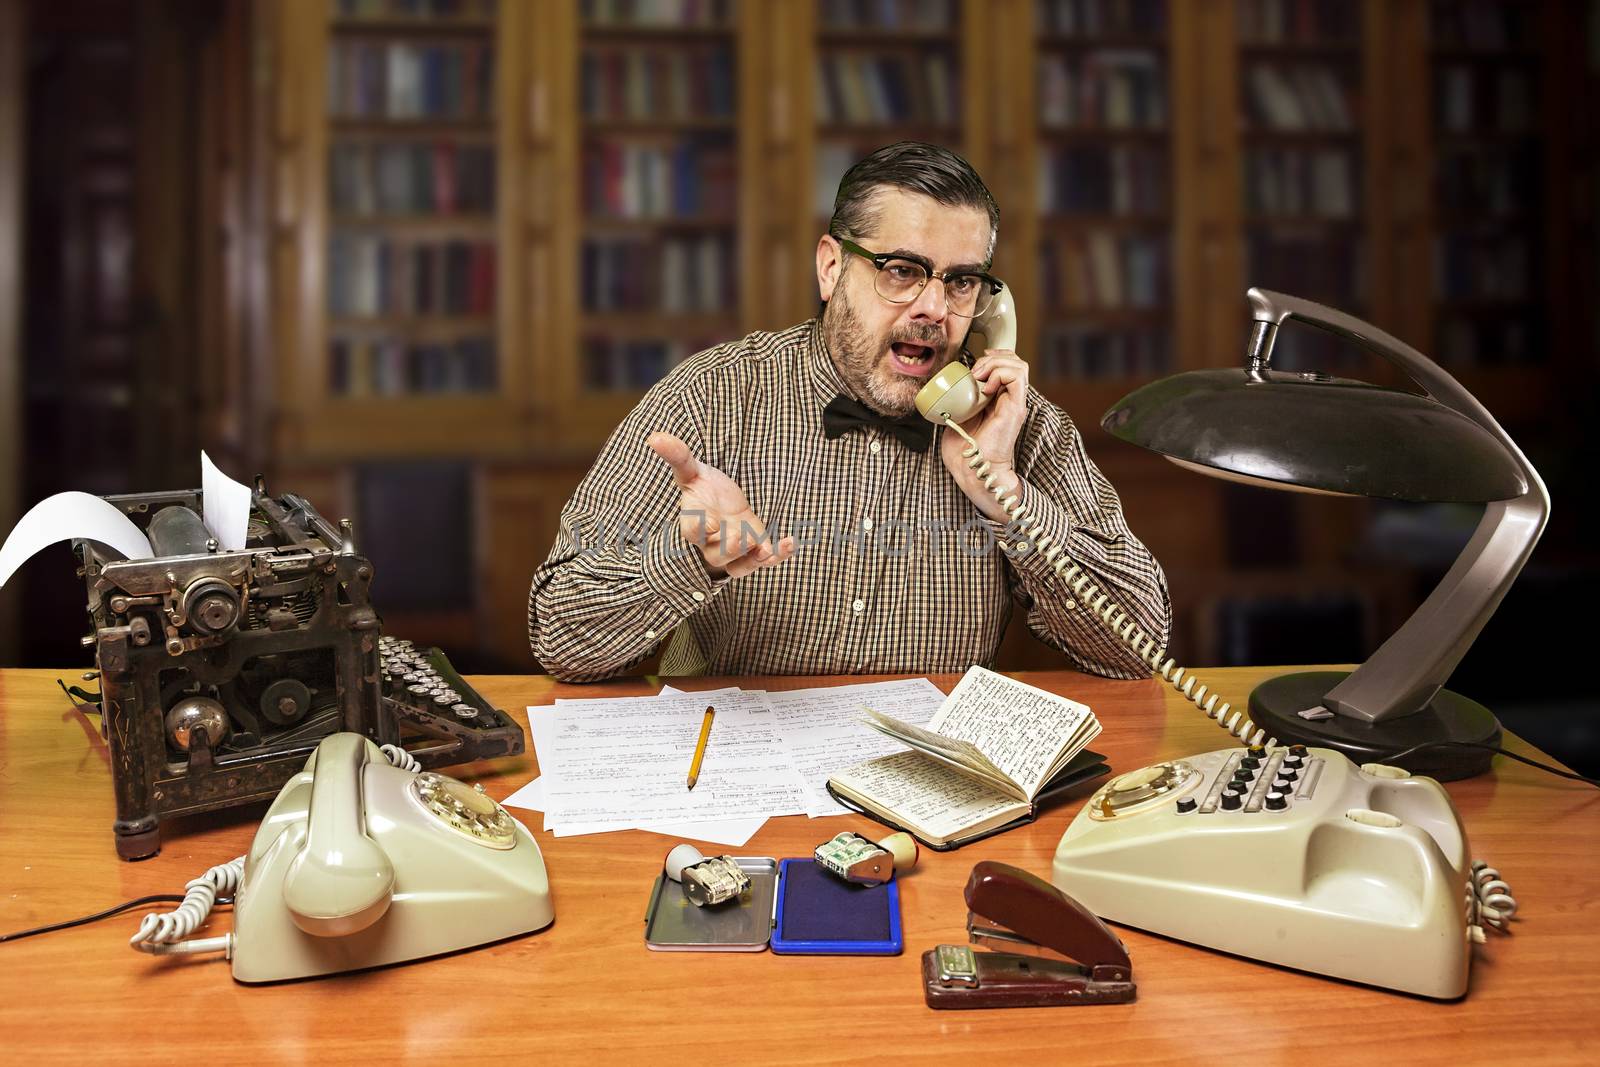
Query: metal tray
{"x": 672, "y": 924}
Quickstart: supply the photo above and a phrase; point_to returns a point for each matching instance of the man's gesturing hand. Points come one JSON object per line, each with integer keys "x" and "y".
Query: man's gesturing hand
{"x": 715, "y": 515}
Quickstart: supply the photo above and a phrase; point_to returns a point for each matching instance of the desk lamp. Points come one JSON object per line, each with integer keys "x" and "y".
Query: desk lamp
{"x": 1314, "y": 433}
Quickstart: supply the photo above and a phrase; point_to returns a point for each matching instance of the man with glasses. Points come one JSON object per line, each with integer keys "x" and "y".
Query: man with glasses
{"x": 778, "y": 506}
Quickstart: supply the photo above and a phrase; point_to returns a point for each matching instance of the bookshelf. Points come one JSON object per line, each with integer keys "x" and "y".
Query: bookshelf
{"x": 1104, "y": 196}
{"x": 658, "y": 258}
{"x": 885, "y": 71}
{"x": 393, "y": 219}
{"x": 1304, "y": 120}
{"x": 495, "y": 224}
{"x": 1485, "y": 67}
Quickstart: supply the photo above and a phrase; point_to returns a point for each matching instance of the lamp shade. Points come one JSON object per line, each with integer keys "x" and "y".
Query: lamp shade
{"x": 1312, "y": 431}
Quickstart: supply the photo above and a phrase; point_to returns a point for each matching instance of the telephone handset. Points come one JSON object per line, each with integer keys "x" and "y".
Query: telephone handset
{"x": 362, "y": 861}
{"x": 953, "y": 393}
{"x": 952, "y": 397}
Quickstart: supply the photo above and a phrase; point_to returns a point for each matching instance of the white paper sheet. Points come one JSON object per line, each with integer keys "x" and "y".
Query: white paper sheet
{"x": 733, "y": 832}
{"x": 622, "y": 763}
{"x": 225, "y": 505}
{"x": 824, "y": 731}
{"x": 71, "y": 515}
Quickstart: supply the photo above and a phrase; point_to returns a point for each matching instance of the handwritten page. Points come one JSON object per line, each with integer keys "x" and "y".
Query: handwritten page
{"x": 1023, "y": 731}
{"x": 938, "y": 746}
{"x": 926, "y": 796}
{"x": 734, "y": 832}
{"x": 823, "y": 728}
{"x": 615, "y": 764}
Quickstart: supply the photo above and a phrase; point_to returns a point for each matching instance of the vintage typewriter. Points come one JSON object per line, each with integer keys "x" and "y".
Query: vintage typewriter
{"x": 221, "y": 671}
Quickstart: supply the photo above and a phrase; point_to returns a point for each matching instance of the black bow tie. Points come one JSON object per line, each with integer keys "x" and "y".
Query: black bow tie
{"x": 842, "y": 414}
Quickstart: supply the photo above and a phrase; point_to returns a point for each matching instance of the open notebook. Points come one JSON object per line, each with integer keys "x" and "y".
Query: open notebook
{"x": 995, "y": 748}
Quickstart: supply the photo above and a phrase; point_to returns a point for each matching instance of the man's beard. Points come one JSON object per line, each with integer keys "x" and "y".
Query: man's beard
{"x": 862, "y": 360}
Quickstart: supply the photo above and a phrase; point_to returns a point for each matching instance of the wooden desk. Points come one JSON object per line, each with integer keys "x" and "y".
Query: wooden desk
{"x": 587, "y": 988}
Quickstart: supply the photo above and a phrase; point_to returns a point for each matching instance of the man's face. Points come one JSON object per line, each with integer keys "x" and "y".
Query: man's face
{"x": 886, "y": 352}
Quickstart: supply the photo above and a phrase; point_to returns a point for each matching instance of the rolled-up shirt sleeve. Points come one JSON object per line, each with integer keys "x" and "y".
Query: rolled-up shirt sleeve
{"x": 1072, "y": 503}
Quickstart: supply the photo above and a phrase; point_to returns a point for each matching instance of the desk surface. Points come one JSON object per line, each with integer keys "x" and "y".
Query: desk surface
{"x": 587, "y": 987}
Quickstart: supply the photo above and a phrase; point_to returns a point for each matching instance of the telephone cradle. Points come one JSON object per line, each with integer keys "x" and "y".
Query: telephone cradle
{"x": 365, "y": 860}
{"x": 1292, "y": 856}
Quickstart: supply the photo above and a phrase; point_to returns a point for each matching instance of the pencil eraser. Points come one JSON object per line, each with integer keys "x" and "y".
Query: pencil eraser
{"x": 903, "y": 847}
{"x": 680, "y": 857}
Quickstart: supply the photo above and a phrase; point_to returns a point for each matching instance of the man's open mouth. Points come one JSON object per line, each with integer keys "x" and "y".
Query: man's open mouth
{"x": 911, "y": 358}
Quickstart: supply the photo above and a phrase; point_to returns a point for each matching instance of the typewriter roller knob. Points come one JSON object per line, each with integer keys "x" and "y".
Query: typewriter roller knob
{"x": 211, "y": 605}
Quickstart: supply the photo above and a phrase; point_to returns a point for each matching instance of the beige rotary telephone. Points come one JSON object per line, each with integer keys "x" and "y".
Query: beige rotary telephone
{"x": 363, "y": 861}
{"x": 952, "y": 397}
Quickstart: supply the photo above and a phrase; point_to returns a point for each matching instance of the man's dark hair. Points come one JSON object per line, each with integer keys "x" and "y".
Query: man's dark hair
{"x": 917, "y": 168}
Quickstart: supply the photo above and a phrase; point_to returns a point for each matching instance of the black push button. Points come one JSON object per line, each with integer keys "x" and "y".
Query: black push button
{"x": 1186, "y": 805}
{"x": 1232, "y": 801}
{"x": 1277, "y": 801}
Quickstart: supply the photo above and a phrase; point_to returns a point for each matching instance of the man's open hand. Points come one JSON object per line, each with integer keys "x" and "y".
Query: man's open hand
{"x": 715, "y": 515}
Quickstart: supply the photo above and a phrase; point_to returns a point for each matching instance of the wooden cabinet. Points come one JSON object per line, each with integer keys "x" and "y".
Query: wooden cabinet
{"x": 496, "y": 224}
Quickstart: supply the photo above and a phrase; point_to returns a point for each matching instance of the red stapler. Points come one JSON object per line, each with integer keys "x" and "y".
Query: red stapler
{"x": 1049, "y": 949}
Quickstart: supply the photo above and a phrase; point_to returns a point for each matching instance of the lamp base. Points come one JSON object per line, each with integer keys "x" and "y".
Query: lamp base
{"x": 1275, "y": 705}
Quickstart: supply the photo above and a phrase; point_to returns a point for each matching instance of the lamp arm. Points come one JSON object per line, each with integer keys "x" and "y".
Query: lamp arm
{"x": 1403, "y": 675}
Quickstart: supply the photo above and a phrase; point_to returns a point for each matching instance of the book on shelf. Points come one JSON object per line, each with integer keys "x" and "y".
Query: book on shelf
{"x": 695, "y": 177}
{"x": 1112, "y": 89}
{"x": 660, "y": 14}
{"x": 875, "y": 88}
{"x": 403, "y": 80}
{"x": 1100, "y": 269}
{"x": 995, "y": 748}
{"x": 636, "y": 83}
{"x": 1119, "y": 179}
{"x": 1094, "y": 18}
{"x": 922, "y": 16}
{"x": 372, "y": 179}
{"x": 1299, "y": 97}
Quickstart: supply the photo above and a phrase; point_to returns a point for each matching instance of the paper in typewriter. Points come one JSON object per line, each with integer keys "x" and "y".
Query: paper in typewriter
{"x": 619, "y": 763}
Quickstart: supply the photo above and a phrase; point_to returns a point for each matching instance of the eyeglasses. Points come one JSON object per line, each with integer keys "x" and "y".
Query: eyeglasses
{"x": 900, "y": 280}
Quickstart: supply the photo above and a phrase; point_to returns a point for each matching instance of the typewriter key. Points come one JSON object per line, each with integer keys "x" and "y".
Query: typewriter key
{"x": 419, "y": 689}
{"x": 443, "y": 699}
{"x": 465, "y": 711}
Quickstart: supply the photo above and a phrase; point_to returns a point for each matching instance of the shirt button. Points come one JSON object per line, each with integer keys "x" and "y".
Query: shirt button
{"x": 1019, "y": 548}
{"x": 875, "y": 447}
{"x": 649, "y": 635}
{"x": 866, "y": 524}
{"x": 699, "y": 597}
{"x": 858, "y": 605}
{"x": 1071, "y": 605}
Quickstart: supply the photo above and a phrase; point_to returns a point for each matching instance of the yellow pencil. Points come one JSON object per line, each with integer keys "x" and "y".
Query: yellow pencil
{"x": 700, "y": 749}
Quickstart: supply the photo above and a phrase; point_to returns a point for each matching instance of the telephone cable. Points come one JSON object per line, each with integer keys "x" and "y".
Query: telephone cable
{"x": 1492, "y": 902}
{"x": 1117, "y": 620}
{"x": 162, "y": 935}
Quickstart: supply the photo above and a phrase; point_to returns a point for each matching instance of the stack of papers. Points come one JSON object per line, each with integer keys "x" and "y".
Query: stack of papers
{"x": 623, "y": 763}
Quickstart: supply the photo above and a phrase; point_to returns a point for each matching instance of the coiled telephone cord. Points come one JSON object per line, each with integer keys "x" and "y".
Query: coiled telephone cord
{"x": 163, "y": 935}
{"x": 1492, "y": 902}
{"x": 1117, "y": 620}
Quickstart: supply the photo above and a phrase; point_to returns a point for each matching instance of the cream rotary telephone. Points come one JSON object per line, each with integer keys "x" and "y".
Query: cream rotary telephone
{"x": 952, "y": 397}
{"x": 361, "y": 861}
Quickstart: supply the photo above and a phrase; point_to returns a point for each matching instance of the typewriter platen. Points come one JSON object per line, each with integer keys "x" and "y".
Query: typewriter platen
{"x": 221, "y": 671}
